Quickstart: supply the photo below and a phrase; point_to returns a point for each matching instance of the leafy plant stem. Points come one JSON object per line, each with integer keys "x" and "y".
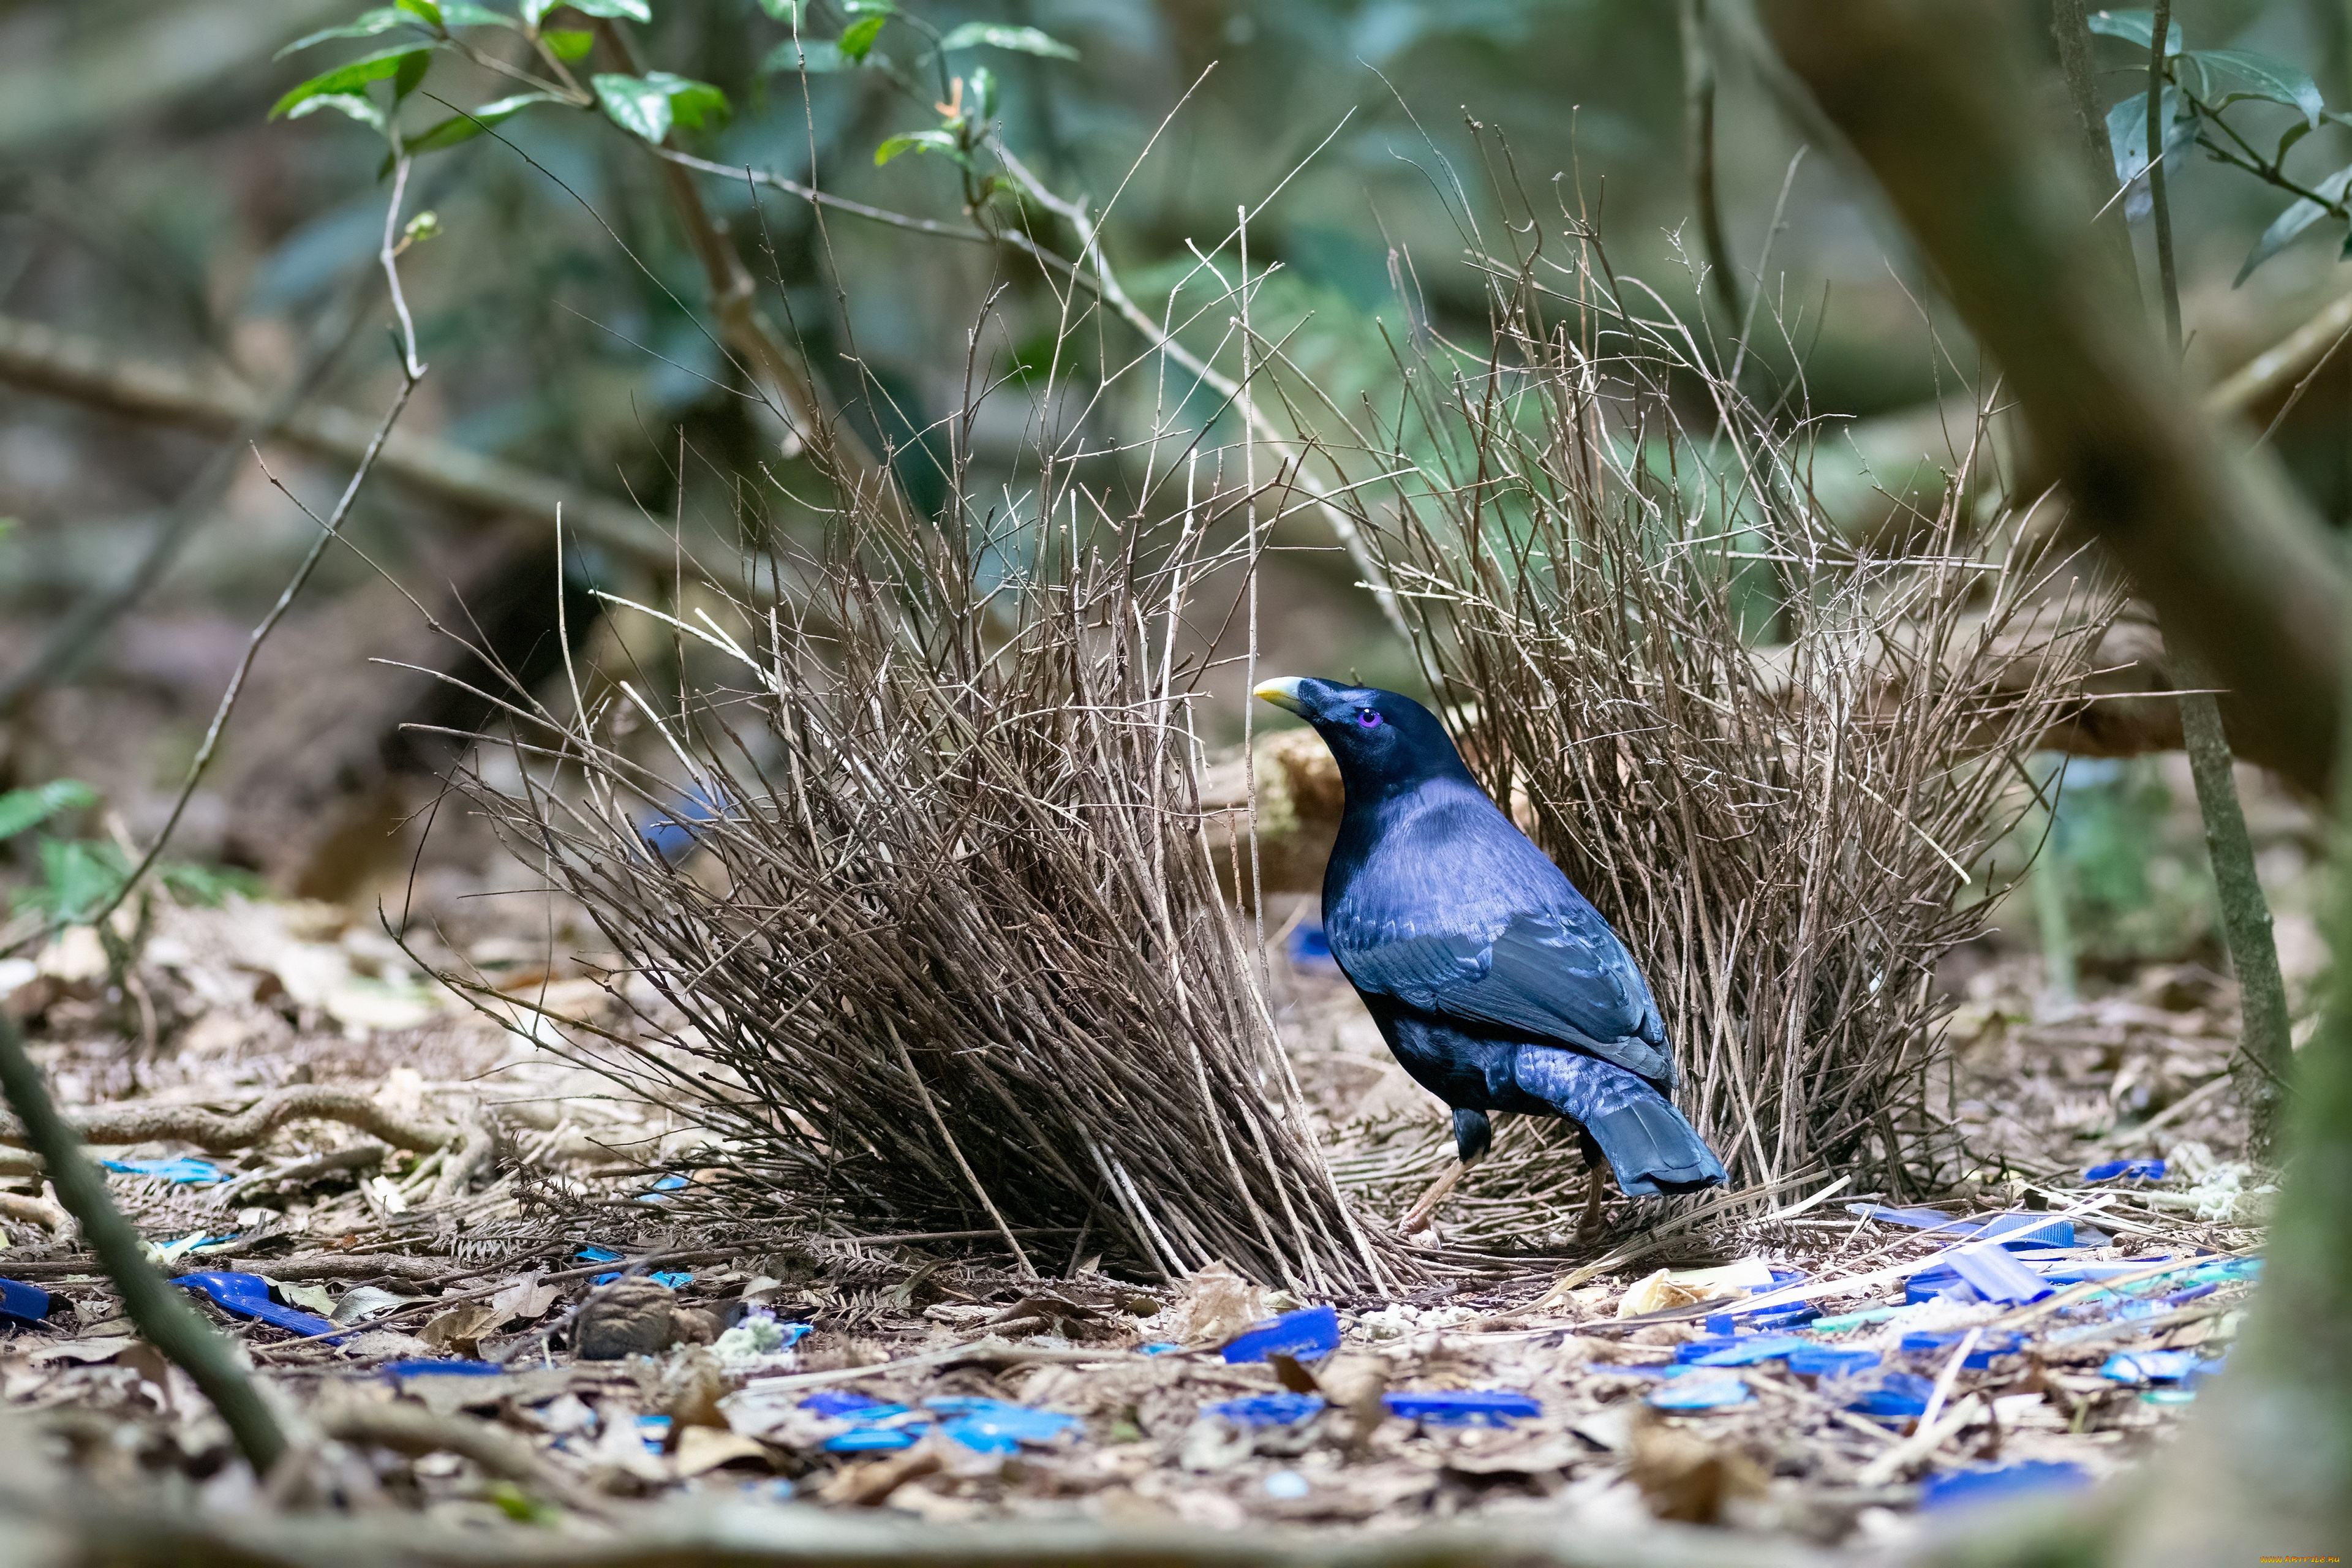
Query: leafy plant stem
{"x": 2070, "y": 27}
{"x": 412, "y": 371}
{"x": 1698, "y": 134}
{"x": 2162, "y": 218}
{"x": 166, "y": 1319}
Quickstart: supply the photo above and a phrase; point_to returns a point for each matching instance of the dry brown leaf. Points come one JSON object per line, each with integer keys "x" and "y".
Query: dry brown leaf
{"x": 460, "y": 1329}
{"x": 1218, "y": 1304}
{"x": 525, "y": 1300}
{"x": 701, "y": 1449}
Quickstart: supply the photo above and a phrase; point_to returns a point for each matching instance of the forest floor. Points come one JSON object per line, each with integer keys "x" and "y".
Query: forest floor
{"x": 456, "y": 1283}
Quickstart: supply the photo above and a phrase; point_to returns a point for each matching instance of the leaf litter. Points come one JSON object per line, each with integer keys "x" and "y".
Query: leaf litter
{"x": 539, "y": 1317}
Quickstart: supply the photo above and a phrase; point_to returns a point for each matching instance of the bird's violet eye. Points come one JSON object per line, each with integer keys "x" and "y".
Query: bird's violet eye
{"x": 1368, "y": 718}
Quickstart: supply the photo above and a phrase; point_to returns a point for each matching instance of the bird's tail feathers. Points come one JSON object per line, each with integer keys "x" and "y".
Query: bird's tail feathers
{"x": 1652, "y": 1149}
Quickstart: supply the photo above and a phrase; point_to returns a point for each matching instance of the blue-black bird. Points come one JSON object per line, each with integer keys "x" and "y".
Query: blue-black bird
{"x": 1499, "y": 987}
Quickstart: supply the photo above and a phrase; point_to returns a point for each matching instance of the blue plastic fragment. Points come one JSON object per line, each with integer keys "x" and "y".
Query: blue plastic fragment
{"x": 1162, "y": 1347}
{"x": 1954, "y": 1487}
{"x": 604, "y": 1279}
{"x": 673, "y": 835}
{"x": 397, "y": 1370}
{"x": 1747, "y": 1349}
{"x": 2182, "y": 1298}
{"x": 22, "y": 1303}
{"x": 1689, "y": 1350}
{"x": 655, "y": 1194}
{"x": 1464, "y": 1407}
{"x": 1306, "y": 1335}
{"x": 994, "y": 1426}
{"x": 2205, "y": 1369}
{"x": 1310, "y": 945}
{"x": 2014, "y": 1230}
{"x": 1997, "y": 1276}
{"x": 1939, "y": 1342}
{"x": 247, "y": 1296}
{"x": 1831, "y": 1360}
{"x": 1701, "y": 1393}
{"x": 196, "y": 1172}
{"x": 1900, "y": 1394}
{"x": 835, "y": 1403}
{"x": 2126, "y": 1171}
{"x": 673, "y": 1279}
{"x": 2149, "y": 1366}
{"x": 1267, "y": 1409}
{"x": 872, "y": 1440}
{"x": 1932, "y": 1284}
{"x": 597, "y": 1255}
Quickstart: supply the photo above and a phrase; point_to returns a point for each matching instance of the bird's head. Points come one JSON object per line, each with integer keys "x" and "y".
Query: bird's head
{"x": 1380, "y": 740}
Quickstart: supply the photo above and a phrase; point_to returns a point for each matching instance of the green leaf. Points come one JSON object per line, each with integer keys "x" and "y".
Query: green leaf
{"x": 2273, "y": 81}
{"x": 78, "y": 874}
{"x": 2128, "y": 133}
{"x": 2292, "y": 222}
{"x": 857, "y": 39}
{"x": 568, "y": 44}
{"x": 634, "y": 104}
{"x": 359, "y": 109}
{"x": 425, "y": 11}
{"x": 209, "y": 884}
{"x": 870, "y": 7}
{"x": 625, "y": 10}
{"x": 813, "y": 57}
{"x": 411, "y": 72}
{"x": 466, "y": 14}
{"x": 918, "y": 142}
{"x": 996, "y": 35}
{"x": 460, "y": 128}
{"x": 24, "y": 809}
{"x": 2289, "y": 137}
{"x": 358, "y": 73}
{"x": 371, "y": 24}
{"x": 648, "y": 105}
{"x": 2136, "y": 27}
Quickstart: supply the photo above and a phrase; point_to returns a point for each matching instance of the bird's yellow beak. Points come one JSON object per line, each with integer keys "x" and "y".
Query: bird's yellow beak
{"x": 1283, "y": 693}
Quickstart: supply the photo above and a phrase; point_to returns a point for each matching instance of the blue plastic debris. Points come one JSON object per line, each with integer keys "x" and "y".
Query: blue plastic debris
{"x": 652, "y": 1431}
{"x": 1831, "y": 1360}
{"x": 1941, "y": 1342}
{"x": 1787, "y": 1315}
{"x": 247, "y": 1296}
{"x": 672, "y": 1279}
{"x": 1464, "y": 1407}
{"x": 2015, "y": 1230}
{"x": 1161, "y": 1347}
{"x": 397, "y": 1370}
{"x": 1701, "y": 1393}
{"x": 1900, "y": 1395}
{"x": 1267, "y": 1409}
{"x": 1937, "y": 1284}
{"x": 1956, "y": 1487}
{"x": 597, "y": 1255}
{"x": 194, "y": 1172}
{"x": 1287, "y": 1485}
{"x": 994, "y": 1426}
{"x": 603, "y": 1278}
{"x": 1747, "y": 1349}
{"x": 1996, "y": 1277}
{"x": 1306, "y": 1335}
{"x": 655, "y": 1194}
{"x": 2126, "y": 1171}
{"x": 2149, "y": 1366}
{"x": 872, "y": 1440}
{"x": 2205, "y": 1369}
{"x": 1310, "y": 946}
{"x": 673, "y": 835}
{"x": 1864, "y": 1319}
{"x": 22, "y": 1303}
{"x": 1689, "y": 1350}
{"x": 844, "y": 1406}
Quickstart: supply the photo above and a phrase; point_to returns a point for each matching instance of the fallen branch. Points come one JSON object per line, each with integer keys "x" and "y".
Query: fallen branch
{"x": 414, "y": 1430}
{"x": 82, "y": 370}
{"x": 166, "y": 1317}
{"x": 44, "y": 1211}
{"x": 219, "y": 1133}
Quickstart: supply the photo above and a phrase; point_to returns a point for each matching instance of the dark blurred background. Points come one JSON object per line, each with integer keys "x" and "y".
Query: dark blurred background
{"x": 153, "y": 213}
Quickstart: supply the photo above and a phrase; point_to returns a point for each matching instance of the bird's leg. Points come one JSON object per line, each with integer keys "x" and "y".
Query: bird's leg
{"x": 1588, "y": 1230}
{"x": 1473, "y": 1134}
{"x": 1425, "y": 1207}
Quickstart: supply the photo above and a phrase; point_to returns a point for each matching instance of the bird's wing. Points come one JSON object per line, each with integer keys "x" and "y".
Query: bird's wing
{"x": 1561, "y": 976}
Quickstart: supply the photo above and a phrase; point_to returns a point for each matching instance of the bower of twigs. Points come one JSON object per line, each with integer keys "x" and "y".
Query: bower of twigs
{"x": 1772, "y": 755}
{"x": 950, "y": 959}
